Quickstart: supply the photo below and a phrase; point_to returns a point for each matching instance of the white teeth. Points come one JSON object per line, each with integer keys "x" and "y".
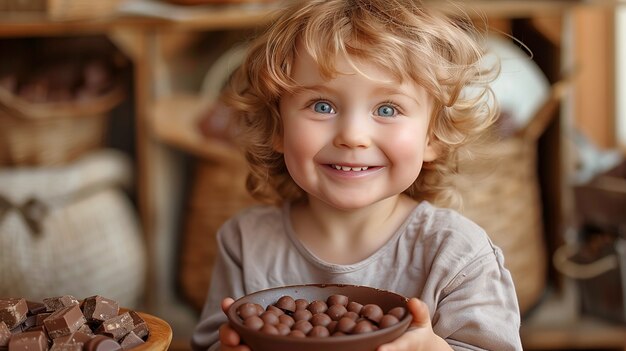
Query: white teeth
{"x": 347, "y": 169}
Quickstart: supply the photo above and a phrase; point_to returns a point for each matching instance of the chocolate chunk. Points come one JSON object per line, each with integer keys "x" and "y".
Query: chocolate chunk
{"x": 35, "y": 307}
{"x": 73, "y": 338}
{"x": 86, "y": 330}
{"x": 30, "y": 322}
{"x": 67, "y": 347}
{"x": 102, "y": 343}
{"x": 140, "y": 327}
{"x": 58, "y": 302}
{"x": 13, "y": 311}
{"x": 64, "y": 321}
{"x": 98, "y": 308}
{"x": 41, "y": 317}
{"x": 116, "y": 327}
{"x": 5, "y": 334}
{"x": 29, "y": 341}
{"x": 131, "y": 340}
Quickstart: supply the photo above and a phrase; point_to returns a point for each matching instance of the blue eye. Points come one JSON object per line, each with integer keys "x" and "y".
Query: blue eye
{"x": 386, "y": 111}
{"x": 323, "y": 107}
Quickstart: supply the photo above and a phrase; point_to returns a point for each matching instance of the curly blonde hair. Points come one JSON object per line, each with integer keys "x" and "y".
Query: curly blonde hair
{"x": 410, "y": 40}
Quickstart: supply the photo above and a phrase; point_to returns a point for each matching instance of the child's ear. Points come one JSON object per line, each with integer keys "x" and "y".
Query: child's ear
{"x": 431, "y": 151}
{"x": 277, "y": 144}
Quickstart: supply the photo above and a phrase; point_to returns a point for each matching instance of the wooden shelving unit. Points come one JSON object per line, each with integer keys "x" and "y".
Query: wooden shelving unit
{"x": 165, "y": 125}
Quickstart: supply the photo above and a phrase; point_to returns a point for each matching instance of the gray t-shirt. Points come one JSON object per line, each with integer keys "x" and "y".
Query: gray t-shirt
{"x": 437, "y": 255}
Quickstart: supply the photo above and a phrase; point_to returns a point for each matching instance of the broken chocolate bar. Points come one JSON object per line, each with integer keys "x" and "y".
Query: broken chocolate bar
{"x": 140, "y": 327}
{"x": 56, "y": 303}
{"x": 99, "y": 309}
{"x": 117, "y": 326}
{"x": 71, "y": 327}
{"x": 29, "y": 341}
{"x": 35, "y": 307}
{"x": 131, "y": 340}
{"x": 13, "y": 311}
{"x": 64, "y": 321}
{"x": 5, "y": 334}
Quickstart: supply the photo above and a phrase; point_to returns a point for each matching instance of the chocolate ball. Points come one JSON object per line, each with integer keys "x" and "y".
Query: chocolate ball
{"x": 302, "y": 315}
{"x": 269, "y": 329}
{"x": 388, "y": 320}
{"x": 286, "y": 303}
{"x": 247, "y": 310}
{"x": 303, "y": 326}
{"x": 364, "y": 326}
{"x": 317, "y": 306}
{"x": 398, "y": 312}
{"x": 320, "y": 319}
{"x": 297, "y": 333}
{"x": 352, "y": 315}
{"x": 354, "y": 307}
{"x": 275, "y": 310}
{"x": 346, "y": 325}
{"x": 335, "y": 312}
{"x": 332, "y": 327}
{"x": 286, "y": 320}
{"x": 372, "y": 312}
{"x": 337, "y": 300}
{"x": 319, "y": 331}
{"x": 283, "y": 329}
{"x": 269, "y": 317}
{"x": 253, "y": 322}
{"x": 301, "y": 304}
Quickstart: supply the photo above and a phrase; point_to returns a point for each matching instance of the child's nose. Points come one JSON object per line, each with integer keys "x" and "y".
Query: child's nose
{"x": 352, "y": 132}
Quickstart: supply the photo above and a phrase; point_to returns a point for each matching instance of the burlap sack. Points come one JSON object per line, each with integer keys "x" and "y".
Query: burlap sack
{"x": 71, "y": 230}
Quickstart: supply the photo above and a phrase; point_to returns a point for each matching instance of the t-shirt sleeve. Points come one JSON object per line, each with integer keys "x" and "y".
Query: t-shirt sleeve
{"x": 226, "y": 281}
{"x": 479, "y": 309}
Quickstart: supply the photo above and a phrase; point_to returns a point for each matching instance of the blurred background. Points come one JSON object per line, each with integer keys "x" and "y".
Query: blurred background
{"x": 117, "y": 167}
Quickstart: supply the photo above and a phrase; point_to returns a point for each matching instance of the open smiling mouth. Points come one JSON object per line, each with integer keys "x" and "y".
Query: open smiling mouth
{"x": 349, "y": 169}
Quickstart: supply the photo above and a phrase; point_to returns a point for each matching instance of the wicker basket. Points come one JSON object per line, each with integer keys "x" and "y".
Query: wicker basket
{"x": 43, "y": 134}
{"x": 218, "y": 192}
{"x": 501, "y": 194}
{"x": 61, "y": 9}
{"x": 500, "y": 191}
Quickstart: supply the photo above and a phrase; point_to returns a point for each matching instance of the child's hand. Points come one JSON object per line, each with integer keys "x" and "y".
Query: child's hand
{"x": 228, "y": 336}
{"x": 420, "y": 335}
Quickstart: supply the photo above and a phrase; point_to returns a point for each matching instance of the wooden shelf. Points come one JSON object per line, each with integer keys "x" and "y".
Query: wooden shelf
{"x": 174, "y": 122}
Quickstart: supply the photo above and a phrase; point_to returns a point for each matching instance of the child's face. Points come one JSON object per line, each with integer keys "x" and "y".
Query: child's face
{"x": 353, "y": 140}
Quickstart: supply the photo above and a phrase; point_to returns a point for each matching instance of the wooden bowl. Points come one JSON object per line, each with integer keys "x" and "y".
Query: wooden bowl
{"x": 369, "y": 341}
{"x": 160, "y": 335}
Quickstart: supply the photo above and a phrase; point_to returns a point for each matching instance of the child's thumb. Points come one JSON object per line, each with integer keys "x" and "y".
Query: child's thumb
{"x": 419, "y": 311}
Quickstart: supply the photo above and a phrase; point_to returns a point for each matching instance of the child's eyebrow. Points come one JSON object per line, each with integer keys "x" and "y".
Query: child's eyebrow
{"x": 313, "y": 88}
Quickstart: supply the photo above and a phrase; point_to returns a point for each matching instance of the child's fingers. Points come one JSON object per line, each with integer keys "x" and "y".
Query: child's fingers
{"x": 419, "y": 310}
{"x": 226, "y": 303}
{"x": 230, "y": 339}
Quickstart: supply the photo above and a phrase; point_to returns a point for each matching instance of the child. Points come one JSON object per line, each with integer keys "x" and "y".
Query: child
{"x": 352, "y": 114}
